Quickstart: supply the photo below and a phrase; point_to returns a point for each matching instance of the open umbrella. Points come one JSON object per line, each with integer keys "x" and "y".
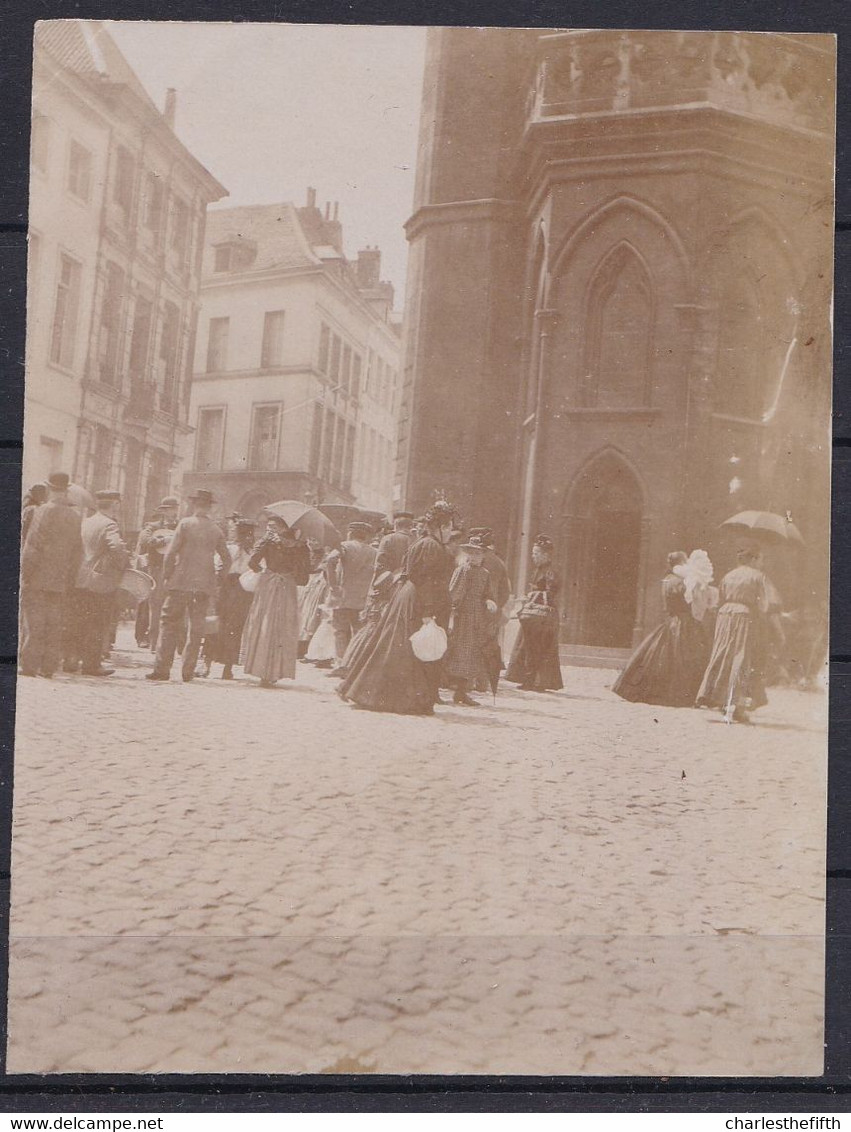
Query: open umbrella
{"x": 341, "y": 514}
{"x": 766, "y": 525}
{"x": 307, "y": 520}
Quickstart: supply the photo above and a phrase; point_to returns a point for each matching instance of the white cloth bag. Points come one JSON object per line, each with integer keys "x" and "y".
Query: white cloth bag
{"x": 429, "y": 642}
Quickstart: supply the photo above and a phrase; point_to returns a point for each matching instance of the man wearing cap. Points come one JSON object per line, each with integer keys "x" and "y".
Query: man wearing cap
{"x": 105, "y": 558}
{"x": 189, "y": 577}
{"x": 350, "y": 571}
{"x": 49, "y": 563}
{"x": 394, "y": 546}
{"x": 153, "y": 544}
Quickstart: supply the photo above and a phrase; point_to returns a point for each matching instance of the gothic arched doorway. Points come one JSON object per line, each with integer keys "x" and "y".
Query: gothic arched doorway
{"x": 602, "y": 551}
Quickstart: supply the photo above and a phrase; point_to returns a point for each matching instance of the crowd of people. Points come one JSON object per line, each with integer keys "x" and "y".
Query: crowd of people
{"x": 719, "y": 647}
{"x": 401, "y": 618}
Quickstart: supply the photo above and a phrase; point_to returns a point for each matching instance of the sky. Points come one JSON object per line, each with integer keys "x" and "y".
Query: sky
{"x": 270, "y": 109}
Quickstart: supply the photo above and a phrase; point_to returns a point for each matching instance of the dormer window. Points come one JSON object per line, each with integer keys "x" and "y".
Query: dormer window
{"x": 235, "y": 254}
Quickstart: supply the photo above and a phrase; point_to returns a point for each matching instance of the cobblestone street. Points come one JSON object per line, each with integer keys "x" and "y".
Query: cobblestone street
{"x": 218, "y": 877}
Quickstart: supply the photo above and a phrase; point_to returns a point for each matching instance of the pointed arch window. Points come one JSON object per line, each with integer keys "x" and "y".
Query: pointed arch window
{"x": 619, "y": 333}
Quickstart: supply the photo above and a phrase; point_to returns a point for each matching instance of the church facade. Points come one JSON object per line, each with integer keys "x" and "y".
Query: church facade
{"x": 618, "y": 303}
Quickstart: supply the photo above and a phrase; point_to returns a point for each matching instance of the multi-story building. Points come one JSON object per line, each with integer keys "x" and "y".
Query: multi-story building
{"x": 295, "y": 390}
{"x": 117, "y": 211}
{"x": 617, "y": 323}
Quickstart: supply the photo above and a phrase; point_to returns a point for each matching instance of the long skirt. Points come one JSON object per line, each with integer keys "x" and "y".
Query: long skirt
{"x": 233, "y": 607}
{"x": 270, "y": 637}
{"x": 734, "y": 676}
{"x": 385, "y": 675}
{"x": 535, "y": 659}
{"x": 667, "y": 666}
{"x": 310, "y": 597}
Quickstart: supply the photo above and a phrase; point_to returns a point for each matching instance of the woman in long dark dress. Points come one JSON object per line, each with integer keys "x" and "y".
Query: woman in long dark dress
{"x": 472, "y": 612}
{"x": 734, "y": 680}
{"x": 270, "y": 637}
{"x": 668, "y": 665}
{"x": 233, "y": 602}
{"x": 534, "y": 663}
{"x": 387, "y": 676}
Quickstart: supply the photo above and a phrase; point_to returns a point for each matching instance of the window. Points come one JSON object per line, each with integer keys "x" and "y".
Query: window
{"x": 140, "y": 340}
{"x": 211, "y": 432}
{"x": 64, "y": 332}
{"x": 339, "y": 441}
{"x": 110, "y": 325}
{"x": 154, "y": 200}
{"x": 315, "y": 439}
{"x": 346, "y": 373}
{"x": 349, "y": 461}
{"x": 336, "y": 345}
{"x": 265, "y": 433}
{"x": 132, "y": 480}
{"x": 102, "y": 460}
{"x": 324, "y": 347}
{"x": 617, "y": 351}
{"x": 272, "y": 353}
{"x": 125, "y": 173}
{"x": 180, "y": 227}
{"x": 158, "y": 479}
{"x": 169, "y": 349}
{"x": 327, "y": 444}
{"x": 79, "y": 171}
{"x": 40, "y": 142}
{"x": 356, "y": 372}
{"x": 50, "y": 455}
{"x": 222, "y": 258}
{"x": 217, "y": 345}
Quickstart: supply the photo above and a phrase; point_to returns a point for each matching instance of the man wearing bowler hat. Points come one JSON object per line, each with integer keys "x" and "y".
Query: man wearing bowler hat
{"x": 394, "y": 546}
{"x": 105, "y": 558}
{"x": 189, "y": 577}
{"x": 49, "y": 563}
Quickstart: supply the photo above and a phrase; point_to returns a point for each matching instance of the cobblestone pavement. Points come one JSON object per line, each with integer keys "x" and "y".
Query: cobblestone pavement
{"x": 218, "y": 877}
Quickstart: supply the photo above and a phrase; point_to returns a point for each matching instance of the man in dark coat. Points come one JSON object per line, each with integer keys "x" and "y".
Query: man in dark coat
{"x": 189, "y": 575}
{"x": 394, "y": 546}
{"x": 350, "y": 571}
{"x": 105, "y": 558}
{"x": 49, "y": 563}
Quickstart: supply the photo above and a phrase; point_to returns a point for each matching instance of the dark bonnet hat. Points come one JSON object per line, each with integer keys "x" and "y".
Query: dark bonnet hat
{"x": 58, "y": 481}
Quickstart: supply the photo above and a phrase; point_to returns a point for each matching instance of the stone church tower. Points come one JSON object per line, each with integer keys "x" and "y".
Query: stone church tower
{"x": 617, "y": 330}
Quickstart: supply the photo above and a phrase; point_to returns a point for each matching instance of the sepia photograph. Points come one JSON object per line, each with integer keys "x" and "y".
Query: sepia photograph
{"x": 424, "y": 552}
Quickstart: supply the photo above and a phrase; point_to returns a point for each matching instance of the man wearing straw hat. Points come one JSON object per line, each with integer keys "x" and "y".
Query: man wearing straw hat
{"x": 189, "y": 576}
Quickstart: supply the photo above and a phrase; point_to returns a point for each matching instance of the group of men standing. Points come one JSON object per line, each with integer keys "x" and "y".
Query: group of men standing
{"x": 70, "y": 570}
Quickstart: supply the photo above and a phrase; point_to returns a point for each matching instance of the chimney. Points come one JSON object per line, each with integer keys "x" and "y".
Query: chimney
{"x": 311, "y": 198}
{"x": 170, "y": 111}
{"x": 327, "y": 210}
{"x": 368, "y": 269}
{"x": 336, "y": 211}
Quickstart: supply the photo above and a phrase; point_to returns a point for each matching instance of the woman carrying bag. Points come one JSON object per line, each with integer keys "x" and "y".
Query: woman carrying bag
{"x": 534, "y": 663}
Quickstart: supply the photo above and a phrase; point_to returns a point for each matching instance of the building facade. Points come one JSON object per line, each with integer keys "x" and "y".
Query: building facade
{"x": 117, "y": 212}
{"x": 295, "y": 389}
{"x": 617, "y": 326}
